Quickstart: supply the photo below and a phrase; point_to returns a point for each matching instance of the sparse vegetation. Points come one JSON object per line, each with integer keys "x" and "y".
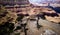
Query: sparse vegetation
{"x": 6, "y": 21}
{"x": 59, "y": 23}
{"x": 6, "y": 28}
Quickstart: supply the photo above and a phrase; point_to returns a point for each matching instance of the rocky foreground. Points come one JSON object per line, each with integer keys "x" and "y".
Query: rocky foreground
{"x": 31, "y": 21}
{"x": 42, "y": 27}
{"x": 41, "y": 21}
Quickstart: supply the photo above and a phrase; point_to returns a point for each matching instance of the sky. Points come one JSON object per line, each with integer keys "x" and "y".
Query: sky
{"x": 38, "y": 1}
{"x": 34, "y": 1}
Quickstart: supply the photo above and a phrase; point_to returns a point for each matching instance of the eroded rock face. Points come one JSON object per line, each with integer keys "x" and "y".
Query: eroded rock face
{"x": 53, "y": 19}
